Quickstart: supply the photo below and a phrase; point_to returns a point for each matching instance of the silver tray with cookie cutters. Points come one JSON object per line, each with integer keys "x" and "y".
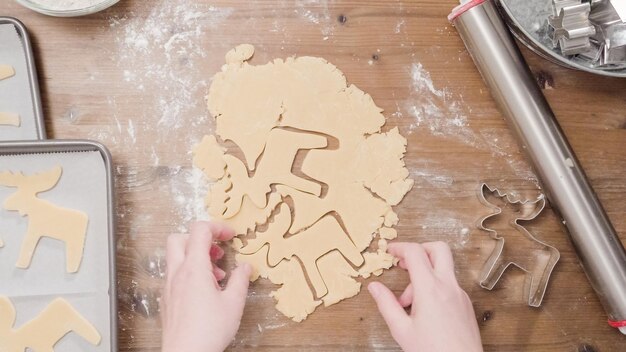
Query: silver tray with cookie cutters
{"x": 515, "y": 245}
{"x": 19, "y": 94}
{"x": 84, "y": 185}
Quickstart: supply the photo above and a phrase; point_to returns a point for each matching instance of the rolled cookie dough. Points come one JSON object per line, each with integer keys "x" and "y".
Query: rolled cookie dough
{"x": 320, "y": 205}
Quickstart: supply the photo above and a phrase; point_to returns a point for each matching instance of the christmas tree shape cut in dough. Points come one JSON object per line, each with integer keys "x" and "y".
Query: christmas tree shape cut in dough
{"x": 44, "y": 218}
{"x": 6, "y": 118}
{"x": 41, "y": 333}
{"x": 316, "y": 181}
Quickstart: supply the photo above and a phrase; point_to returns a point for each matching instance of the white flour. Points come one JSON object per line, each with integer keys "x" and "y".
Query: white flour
{"x": 161, "y": 53}
{"x": 67, "y": 5}
{"x": 442, "y": 113}
{"x": 160, "y": 57}
{"x": 189, "y": 188}
{"x": 316, "y": 12}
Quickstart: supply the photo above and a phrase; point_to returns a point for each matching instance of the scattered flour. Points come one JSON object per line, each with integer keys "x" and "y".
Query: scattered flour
{"x": 160, "y": 53}
{"x": 439, "y": 111}
{"x": 502, "y": 144}
{"x": 447, "y": 226}
{"x": 444, "y": 114}
{"x": 434, "y": 180}
{"x": 399, "y": 25}
{"x": 316, "y": 12}
{"x": 189, "y": 188}
{"x": 160, "y": 56}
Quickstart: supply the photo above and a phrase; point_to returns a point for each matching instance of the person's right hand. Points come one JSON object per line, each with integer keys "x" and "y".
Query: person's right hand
{"x": 442, "y": 317}
{"x": 197, "y": 314}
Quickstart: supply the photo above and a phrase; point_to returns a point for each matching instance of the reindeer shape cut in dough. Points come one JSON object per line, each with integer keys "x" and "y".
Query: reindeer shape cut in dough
{"x": 515, "y": 245}
{"x": 40, "y": 334}
{"x": 275, "y": 167}
{"x": 6, "y": 118}
{"x": 308, "y": 245}
{"x": 45, "y": 218}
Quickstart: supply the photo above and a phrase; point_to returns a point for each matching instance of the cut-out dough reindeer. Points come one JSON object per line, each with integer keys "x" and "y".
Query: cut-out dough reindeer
{"x": 308, "y": 246}
{"x": 524, "y": 254}
{"x": 6, "y": 118}
{"x": 44, "y": 218}
{"x": 40, "y": 334}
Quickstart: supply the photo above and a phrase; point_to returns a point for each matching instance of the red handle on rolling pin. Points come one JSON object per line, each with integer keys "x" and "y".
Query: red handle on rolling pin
{"x": 459, "y": 10}
{"x": 618, "y": 324}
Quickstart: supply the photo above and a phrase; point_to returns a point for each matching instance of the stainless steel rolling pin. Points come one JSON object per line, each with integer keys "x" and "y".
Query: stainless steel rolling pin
{"x": 520, "y": 100}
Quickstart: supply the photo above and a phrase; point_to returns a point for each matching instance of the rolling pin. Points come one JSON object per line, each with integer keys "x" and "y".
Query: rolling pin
{"x": 520, "y": 100}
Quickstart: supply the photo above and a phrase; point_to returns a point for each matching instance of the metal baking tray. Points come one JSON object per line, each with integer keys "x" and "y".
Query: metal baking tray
{"x": 20, "y": 93}
{"x": 86, "y": 184}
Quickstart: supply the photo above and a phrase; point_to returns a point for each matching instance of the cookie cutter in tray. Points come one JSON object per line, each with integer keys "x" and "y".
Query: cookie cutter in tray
{"x": 20, "y": 93}
{"x": 528, "y": 21}
{"x": 526, "y": 251}
{"x": 86, "y": 184}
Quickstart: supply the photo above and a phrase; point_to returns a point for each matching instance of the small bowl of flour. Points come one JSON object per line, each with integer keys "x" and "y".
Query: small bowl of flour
{"x": 67, "y": 8}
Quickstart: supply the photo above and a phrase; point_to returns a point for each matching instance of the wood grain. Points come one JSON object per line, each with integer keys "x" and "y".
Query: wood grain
{"x": 97, "y": 85}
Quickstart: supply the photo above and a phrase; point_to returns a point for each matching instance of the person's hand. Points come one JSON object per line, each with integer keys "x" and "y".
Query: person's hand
{"x": 197, "y": 315}
{"x": 442, "y": 317}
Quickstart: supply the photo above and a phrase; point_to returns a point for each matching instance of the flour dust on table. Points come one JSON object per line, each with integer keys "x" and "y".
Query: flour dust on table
{"x": 311, "y": 195}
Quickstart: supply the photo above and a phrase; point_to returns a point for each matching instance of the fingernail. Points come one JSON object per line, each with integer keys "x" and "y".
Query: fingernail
{"x": 246, "y": 267}
{"x": 374, "y": 290}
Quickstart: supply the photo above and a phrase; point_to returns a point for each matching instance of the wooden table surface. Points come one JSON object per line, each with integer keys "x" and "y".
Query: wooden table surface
{"x": 134, "y": 78}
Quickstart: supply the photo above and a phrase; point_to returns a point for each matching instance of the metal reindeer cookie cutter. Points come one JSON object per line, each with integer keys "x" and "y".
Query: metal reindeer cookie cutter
{"x": 534, "y": 257}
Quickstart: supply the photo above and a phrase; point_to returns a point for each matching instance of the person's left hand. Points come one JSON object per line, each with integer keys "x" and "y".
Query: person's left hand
{"x": 197, "y": 315}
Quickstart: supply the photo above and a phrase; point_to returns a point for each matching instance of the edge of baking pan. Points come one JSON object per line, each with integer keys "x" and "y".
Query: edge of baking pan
{"x": 80, "y": 145}
{"x": 531, "y": 43}
{"x": 32, "y": 74}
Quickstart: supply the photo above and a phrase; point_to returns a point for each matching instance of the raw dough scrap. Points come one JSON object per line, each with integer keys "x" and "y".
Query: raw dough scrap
{"x": 320, "y": 204}
{"x": 40, "y": 334}
{"x": 44, "y": 218}
{"x": 209, "y": 157}
{"x": 6, "y": 71}
{"x": 10, "y": 119}
{"x": 388, "y": 233}
{"x": 376, "y": 262}
{"x": 338, "y": 276}
{"x": 239, "y": 54}
{"x": 295, "y": 299}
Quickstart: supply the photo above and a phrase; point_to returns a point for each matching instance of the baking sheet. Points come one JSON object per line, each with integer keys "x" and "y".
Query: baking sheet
{"x": 82, "y": 186}
{"x": 19, "y": 94}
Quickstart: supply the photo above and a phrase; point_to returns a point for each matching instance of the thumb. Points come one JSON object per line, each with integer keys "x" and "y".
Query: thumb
{"x": 237, "y": 288}
{"x": 388, "y": 306}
